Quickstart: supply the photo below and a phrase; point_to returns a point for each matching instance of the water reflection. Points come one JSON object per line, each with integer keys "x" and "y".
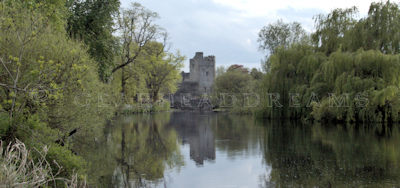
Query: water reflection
{"x": 331, "y": 155}
{"x": 221, "y": 150}
{"x": 134, "y": 152}
{"x": 195, "y": 129}
{"x": 194, "y": 149}
{"x": 206, "y": 131}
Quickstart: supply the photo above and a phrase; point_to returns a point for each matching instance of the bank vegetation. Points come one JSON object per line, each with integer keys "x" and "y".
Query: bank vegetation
{"x": 67, "y": 66}
{"x": 347, "y": 70}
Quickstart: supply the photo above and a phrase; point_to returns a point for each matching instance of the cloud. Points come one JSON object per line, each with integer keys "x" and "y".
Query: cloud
{"x": 208, "y": 27}
{"x": 303, "y": 16}
{"x": 267, "y": 8}
{"x": 229, "y": 29}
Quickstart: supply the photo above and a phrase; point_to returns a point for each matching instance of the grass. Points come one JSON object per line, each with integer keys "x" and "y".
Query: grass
{"x": 19, "y": 170}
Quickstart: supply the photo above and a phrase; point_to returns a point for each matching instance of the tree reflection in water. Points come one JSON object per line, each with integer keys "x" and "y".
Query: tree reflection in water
{"x": 331, "y": 155}
{"x": 139, "y": 150}
{"x": 135, "y": 151}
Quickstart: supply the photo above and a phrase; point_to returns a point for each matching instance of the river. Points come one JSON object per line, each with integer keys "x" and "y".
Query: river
{"x": 204, "y": 149}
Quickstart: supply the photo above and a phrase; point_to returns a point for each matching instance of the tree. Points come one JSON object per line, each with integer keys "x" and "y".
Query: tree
{"x": 256, "y": 74}
{"x": 220, "y": 70}
{"x": 279, "y": 34}
{"x": 92, "y": 21}
{"x": 163, "y": 73}
{"x": 378, "y": 31}
{"x": 137, "y": 30}
{"x": 236, "y": 81}
{"x": 336, "y": 64}
{"x": 239, "y": 68}
{"x": 331, "y": 30}
{"x": 43, "y": 73}
{"x": 382, "y": 27}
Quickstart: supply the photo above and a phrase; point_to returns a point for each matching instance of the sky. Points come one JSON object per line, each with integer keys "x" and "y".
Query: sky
{"x": 228, "y": 29}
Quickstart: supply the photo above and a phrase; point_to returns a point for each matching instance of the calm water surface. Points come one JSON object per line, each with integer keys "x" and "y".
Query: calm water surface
{"x": 193, "y": 149}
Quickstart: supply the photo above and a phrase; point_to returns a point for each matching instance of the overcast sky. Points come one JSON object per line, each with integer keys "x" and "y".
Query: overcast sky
{"x": 228, "y": 29}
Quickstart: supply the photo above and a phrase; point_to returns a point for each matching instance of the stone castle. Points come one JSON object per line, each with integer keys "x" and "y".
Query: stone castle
{"x": 200, "y": 79}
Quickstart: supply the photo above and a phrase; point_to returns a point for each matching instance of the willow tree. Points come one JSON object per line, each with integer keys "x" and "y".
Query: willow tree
{"x": 382, "y": 27}
{"x": 358, "y": 86}
{"x": 370, "y": 79}
{"x": 312, "y": 81}
{"x": 331, "y": 30}
{"x": 292, "y": 70}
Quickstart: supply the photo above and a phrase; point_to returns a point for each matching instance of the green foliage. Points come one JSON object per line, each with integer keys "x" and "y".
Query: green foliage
{"x": 163, "y": 73}
{"x": 138, "y": 31}
{"x": 238, "y": 82}
{"x": 143, "y": 65}
{"x": 382, "y": 27}
{"x": 154, "y": 72}
{"x": 43, "y": 77}
{"x": 256, "y": 74}
{"x": 220, "y": 70}
{"x": 50, "y": 87}
{"x": 92, "y": 21}
{"x": 331, "y": 29}
{"x": 70, "y": 162}
{"x": 369, "y": 73}
{"x": 335, "y": 65}
{"x": 377, "y": 31}
{"x": 279, "y": 34}
{"x": 160, "y": 105}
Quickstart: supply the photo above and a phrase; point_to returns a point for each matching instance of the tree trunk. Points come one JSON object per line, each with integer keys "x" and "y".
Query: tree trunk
{"x": 123, "y": 83}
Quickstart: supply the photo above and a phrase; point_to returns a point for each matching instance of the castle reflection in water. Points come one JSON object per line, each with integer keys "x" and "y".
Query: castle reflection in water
{"x": 197, "y": 132}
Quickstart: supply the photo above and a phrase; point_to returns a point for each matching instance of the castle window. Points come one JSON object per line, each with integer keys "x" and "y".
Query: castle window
{"x": 192, "y": 65}
{"x": 207, "y": 73}
{"x": 210, "y": 88}
{"x": 205, "y": 88}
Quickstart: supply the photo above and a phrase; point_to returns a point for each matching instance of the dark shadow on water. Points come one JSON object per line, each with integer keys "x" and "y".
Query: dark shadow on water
{"x": 315, "y": 155}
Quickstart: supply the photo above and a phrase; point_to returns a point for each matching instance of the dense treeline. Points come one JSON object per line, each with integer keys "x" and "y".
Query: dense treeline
{"x": 237, "y": 88}
{"x": 66, "y": 66}
{"x": 347, "y": 70}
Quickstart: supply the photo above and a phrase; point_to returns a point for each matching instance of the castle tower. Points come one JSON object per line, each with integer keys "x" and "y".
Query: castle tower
{"x": 202, "y": 70}
{"x": 200, "y": 79}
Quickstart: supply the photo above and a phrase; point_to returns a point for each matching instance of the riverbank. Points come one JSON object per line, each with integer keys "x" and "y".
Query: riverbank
{"x": 144, "y": 108}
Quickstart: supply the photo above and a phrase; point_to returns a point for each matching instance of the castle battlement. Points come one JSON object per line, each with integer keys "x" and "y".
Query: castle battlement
{"x": 209, "y": 58}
